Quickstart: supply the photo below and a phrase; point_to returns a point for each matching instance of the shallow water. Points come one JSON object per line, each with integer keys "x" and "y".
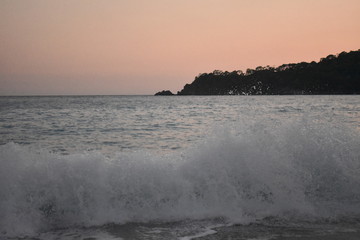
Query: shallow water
{"x": 144, "y": 167}
{"x": 211, "y": 230}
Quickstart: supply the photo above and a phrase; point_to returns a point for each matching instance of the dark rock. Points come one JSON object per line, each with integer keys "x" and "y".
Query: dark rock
{"x": 164, "y": 93}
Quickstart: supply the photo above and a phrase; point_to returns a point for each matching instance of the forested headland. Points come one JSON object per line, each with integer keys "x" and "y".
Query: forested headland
{"x": 334, "y": 74}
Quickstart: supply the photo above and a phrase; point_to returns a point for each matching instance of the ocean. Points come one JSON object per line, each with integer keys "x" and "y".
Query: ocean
{"x": 180, "y": 167}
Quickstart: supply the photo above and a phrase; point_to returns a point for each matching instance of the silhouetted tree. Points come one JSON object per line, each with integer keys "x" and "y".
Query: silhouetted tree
{"x": 335, "y": 74}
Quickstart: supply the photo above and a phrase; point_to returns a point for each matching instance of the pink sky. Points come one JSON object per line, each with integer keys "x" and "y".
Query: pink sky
{"x": 143, "y": 46}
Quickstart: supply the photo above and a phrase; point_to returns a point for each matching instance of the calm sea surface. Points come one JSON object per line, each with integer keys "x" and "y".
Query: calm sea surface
{"x": 180, "y": 167}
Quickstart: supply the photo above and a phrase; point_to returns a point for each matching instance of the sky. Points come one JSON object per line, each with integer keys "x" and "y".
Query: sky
{"x": 80, "y": 47}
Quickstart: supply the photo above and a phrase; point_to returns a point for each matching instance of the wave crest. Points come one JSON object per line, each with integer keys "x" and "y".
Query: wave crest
{"x": 295, "y": 170}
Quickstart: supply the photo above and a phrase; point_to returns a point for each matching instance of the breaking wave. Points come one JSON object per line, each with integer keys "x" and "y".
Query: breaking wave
{"x": 296, "y": 170}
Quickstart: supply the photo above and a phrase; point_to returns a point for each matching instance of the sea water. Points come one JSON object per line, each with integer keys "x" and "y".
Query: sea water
{"x": 180, "y": 167}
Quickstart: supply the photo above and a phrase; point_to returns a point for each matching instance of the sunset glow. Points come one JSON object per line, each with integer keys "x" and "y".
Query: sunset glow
{"x": 141, "y": 46}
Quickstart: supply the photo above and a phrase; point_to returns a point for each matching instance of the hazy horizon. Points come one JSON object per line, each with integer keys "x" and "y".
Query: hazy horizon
{"x": 140, "y": 47}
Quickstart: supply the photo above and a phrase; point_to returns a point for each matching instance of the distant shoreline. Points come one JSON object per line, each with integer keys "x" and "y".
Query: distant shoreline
{"x": 333, "y": 75}
{"x": 175, "y": 95}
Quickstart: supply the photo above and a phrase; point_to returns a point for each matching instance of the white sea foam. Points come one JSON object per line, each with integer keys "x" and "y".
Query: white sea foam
{"x": 295, "y": 170}
{"x": 206, "y": 232}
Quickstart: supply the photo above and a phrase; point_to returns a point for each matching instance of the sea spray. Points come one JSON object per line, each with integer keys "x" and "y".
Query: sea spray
{"x": 293, "y": 170}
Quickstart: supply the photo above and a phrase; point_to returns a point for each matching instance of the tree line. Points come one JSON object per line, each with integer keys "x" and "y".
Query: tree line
{"x": 334, "y": 74}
